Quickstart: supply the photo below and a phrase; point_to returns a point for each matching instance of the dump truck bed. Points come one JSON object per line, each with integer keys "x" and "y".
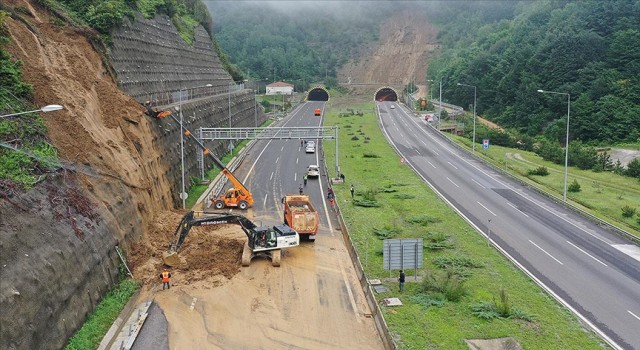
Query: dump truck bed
{"x": 301, "y": 215}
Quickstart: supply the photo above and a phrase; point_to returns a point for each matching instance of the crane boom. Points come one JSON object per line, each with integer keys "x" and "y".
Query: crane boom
{"x": 241, "y": 197}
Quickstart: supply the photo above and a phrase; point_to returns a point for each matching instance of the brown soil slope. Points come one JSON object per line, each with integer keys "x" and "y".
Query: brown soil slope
{"x": 406, "y": 41}
{"x": 100, "y": 126}
{"x": 66, "y": 252}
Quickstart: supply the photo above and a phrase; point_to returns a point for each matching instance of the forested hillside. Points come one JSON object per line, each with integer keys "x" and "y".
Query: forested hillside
{"x": 588, "y": 49}
{"x": 299, "y": 42}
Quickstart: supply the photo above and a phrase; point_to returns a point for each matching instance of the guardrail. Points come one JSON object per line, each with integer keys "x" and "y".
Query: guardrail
{"x": 615, "y": 229}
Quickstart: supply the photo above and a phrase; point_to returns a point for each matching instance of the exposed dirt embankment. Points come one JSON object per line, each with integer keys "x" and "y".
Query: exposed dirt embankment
{"x": 57, "y": 256}
{"x": 406, "y": 41}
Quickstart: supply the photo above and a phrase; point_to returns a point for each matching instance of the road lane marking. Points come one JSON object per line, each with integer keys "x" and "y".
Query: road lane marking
{"x": 479, "y": 184}
{"x": 452, "y": 182}
{"x": 544, "y": 251}
{"x": 418, "y": 152}
{"x": 264, "y": 203}
{"x": 424, "y": 143}
{"x": 453, "y": 165}
{"x": 591, "y": 256}
{"x": 516, "y": 208}
{"x": 270, "y": 177}
{"x": 634, "y": 315}
{"x": 431, "y": 165}
{"x": 295, "y": 177}
{"x": 297, "y": 160}
{"x": 487, "y": 209}
{"x": 436, "y": 152}
{"x": 281, "y": 148}
{"x": 277, "y": 159}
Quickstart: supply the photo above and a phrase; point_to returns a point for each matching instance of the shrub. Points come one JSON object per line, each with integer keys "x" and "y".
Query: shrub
{"x": 429, "y": 300}
{"x": 574, "y": 186}
{"x": 437, "y": 241}
{"x": 540, "y": 171}
{"x": 628, "y": 211}
{"x": 446, "y": 261}
{"x": 403, "y": 196}
{"x": 355, "y": 138}
{"x": 450, "y": 285}
{"x": 386, "y": 232}
{"x": 423, "y": 220}
{"x": 500, "y": 308}
{"x": 370, "y": 155}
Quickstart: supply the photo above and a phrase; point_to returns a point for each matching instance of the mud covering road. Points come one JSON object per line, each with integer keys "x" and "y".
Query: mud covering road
{"x": 312, "y": 301}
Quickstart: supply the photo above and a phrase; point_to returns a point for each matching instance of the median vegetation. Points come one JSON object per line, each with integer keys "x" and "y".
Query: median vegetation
{"x": 466, "y": 289}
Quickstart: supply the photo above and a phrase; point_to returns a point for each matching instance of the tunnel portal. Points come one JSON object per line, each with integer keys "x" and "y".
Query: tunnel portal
{"x": 318, "y": 94}
{"x": 386, "y": 94}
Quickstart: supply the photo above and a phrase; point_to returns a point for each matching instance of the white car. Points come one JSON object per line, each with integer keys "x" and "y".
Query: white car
{"x": 310, "y": 148}
{"x": 313, "y": 171}
{"x": 393, "y": 107}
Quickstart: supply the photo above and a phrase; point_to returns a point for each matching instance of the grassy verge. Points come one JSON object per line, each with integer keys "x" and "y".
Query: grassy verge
{"x": 99, "y": 322}
{"x": 470, "y": 290}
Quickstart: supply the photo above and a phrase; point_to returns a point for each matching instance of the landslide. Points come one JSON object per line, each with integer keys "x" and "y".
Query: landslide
{"x": 57, "y": 256}
{"x": 407, "y": 40}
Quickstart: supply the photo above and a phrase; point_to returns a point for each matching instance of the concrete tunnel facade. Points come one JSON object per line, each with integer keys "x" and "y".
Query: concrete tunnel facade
{"x": 318, "y": 94}
{"x": 386, "y": 94}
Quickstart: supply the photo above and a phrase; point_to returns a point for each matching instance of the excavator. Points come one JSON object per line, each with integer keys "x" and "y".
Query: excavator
{"x": 239, "y": 195}
{"x": 261, "y": 241}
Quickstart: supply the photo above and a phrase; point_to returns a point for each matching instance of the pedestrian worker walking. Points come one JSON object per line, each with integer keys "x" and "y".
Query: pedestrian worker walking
{"x": 352, "y": 190}
{"x": 165, "y": 276}
{"x": 329, "y": 193}
{"x": 401, "y": 281}
{"x": 300, "y": 188}
{"x": 304, "y": 178}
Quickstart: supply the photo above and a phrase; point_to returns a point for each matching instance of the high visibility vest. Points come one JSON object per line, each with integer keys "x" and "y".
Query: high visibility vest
{"x": 165, "y": 276}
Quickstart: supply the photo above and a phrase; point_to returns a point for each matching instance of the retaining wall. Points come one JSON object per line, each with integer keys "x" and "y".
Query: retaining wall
{"x": 153, "y": 63}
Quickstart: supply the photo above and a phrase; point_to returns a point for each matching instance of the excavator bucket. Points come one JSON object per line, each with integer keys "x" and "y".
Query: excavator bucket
{"x": 171, "y": 258}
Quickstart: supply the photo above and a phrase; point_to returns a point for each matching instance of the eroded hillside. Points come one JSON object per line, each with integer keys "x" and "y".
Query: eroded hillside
{"x": 57, "y": 240}
{"x": 400, "y": 56}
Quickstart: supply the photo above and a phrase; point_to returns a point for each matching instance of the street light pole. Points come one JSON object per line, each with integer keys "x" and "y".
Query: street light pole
{"x": 473, "y": 142}
{"x": 48, "y": 108}
{"x": 440, "y": 106}
{"x": 566, "y": 144}
{"x": 182, "y": 193}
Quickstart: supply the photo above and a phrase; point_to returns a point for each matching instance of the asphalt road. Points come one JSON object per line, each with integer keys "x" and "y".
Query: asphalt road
{"x": 593, "y": 272}
{"x": 312, "y": 301}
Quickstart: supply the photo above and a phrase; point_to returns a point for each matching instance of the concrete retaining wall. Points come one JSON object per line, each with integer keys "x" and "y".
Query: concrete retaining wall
{"x": 153, "y": 63}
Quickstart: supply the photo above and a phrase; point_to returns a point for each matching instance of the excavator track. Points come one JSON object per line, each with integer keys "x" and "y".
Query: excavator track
{"x": 246, "y": 254}
{"x": 275, "y": 257}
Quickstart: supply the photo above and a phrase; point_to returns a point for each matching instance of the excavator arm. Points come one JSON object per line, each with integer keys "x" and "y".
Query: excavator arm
{"x": 188, "y": 221}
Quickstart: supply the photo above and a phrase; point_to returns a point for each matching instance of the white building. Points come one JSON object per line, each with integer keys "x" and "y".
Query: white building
{"x": 279, "y": 88}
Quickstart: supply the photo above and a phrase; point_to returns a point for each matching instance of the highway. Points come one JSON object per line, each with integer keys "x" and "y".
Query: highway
{"x": 593, "y": 272}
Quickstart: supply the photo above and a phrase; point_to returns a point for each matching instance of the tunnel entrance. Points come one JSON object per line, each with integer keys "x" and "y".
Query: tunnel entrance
{"x": 318, "y": 94}
{"x": 386, "y": 94}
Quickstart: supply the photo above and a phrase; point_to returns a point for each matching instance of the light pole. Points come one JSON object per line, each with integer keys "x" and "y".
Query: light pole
{"x": 473, "y": 145}
{"x": 440, "y": 107}
{"x": 183, "y": 195}
{"x": 566, "y": 145}
{"x": 48, "y": 108}
{"x": 229, "y": 95}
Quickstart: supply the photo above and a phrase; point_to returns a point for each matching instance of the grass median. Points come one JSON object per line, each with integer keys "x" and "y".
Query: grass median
{"x": 466, "y": 290}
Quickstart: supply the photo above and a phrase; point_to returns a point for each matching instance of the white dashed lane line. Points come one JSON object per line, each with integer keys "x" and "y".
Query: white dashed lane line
{"x": 544, "y": 251}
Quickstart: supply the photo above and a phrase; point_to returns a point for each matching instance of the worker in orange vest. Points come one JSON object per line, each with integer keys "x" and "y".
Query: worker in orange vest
{"x": 165, "y": 276}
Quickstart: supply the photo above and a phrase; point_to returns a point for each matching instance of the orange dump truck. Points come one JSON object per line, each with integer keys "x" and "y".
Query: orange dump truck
{"x": 301, "y": 215}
